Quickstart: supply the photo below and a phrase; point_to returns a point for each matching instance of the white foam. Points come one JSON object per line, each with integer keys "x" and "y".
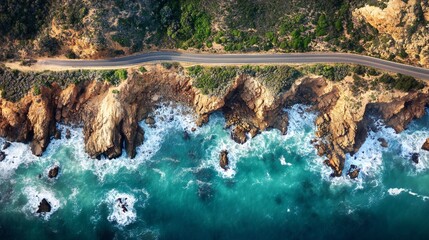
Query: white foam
{"x": 283, "y": 161}
{"x": 397, "y": 191}
{"x": 17, "y": 154}
{"x": 161, "y": 173}
{"x": 167, "y": 117}
{"x": 35, "y": 196}
{"x": 300, "y": 132}
{"x": 117, "y": 214}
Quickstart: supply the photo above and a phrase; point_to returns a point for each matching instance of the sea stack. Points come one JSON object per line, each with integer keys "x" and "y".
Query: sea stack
{"x": 223, "y": 161}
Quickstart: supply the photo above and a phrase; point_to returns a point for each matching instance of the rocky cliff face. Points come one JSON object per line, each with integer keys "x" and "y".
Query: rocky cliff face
{"x": 346, "y": 116}
{"x": 110, "y": 115}
{"x": 401, "y": 25}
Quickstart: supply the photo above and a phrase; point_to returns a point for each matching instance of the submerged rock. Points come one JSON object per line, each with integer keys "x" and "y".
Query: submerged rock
{"x": 353, "y": 171}
{"x": 415, "y": 157}
{"x": 6, "y": 145}
{"x": 68, "y": 134}
{"x": 224, "y": 161}
{"x": 2, "y": 156}
{"x": 383, "y": 142}
{"x": 186, "y": 135}
{"x": 53, "y": 172}
{"x": 426, "y": 145}
{"x": 44, "y": 206}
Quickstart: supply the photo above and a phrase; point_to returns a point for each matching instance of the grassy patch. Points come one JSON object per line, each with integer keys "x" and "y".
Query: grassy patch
{"x": 212, "y": 81}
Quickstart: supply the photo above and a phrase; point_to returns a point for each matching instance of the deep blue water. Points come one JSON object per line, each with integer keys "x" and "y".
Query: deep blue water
{"x": 277, "y": 187}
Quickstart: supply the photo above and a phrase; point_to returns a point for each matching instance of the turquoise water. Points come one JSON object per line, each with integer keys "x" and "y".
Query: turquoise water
{"x": 277, "y": 187}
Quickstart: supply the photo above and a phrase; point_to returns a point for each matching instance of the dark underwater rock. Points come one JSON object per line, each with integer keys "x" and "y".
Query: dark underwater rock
{"x": 415, "y": 157}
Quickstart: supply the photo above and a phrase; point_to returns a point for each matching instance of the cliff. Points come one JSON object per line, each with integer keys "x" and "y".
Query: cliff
{"x": 110, "y": 114}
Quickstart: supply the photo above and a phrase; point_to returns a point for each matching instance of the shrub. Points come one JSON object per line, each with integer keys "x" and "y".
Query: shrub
{"x": 322, "y": 26}
{"x": 333, "y": 73}
{"x": 36, "y": 90}
{"x": 278, "y": 78}
{"x": 70, "y": 54}
{"x": 167, "y": 65}
{"x": 142, "y": 69}
{"x": 401, "y": 82}
{"x": 212, "y": 81}
{"x": 121, "y": 74}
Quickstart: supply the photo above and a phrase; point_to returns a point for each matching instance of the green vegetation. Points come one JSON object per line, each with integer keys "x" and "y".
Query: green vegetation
{"x": 36, "y": 90}
{"x": 114, "y": 77}
{"x": 332, "y": 72}
{"x": 401, "y": 82}
{"x": 142, "y": 69}
{"x": 70, "y": 54}
{"x": 115, "y": 91}
{"x": 212, "y": 81}
{"x": 186, "y": 23}
{"x": 22, "y": 19}
{"x": 322, "y": 26}
{"x": 278, "y": 78}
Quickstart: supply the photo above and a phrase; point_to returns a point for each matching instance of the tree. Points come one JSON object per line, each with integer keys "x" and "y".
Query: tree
{"x": 322, "y": 26}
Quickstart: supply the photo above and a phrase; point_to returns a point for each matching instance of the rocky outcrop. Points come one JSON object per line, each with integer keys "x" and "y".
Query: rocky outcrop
{"x": 353, "y": 172}
{"x": 53, "y": 172}
{"x": 345, "y": 116}
{"x": 2, "y": 156}
{"x": 426, "y": 145}
{"x": 6, "y": 145}
{"x": 401, "y": 25}
{"x": 383, "y": 142}
{"x": 223, "y": 160}
{"x": 110, "y": 114}
{"x": 44, "y": 206}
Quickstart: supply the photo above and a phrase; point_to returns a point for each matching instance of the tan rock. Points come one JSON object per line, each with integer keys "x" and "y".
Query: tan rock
{"x": 426, "y": 145}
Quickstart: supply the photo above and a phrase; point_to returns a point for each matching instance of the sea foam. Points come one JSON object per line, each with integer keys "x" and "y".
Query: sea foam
{"x": 35, "y": 196}
{"x": 397, "y": 191}
{"x": 121, "y": 207}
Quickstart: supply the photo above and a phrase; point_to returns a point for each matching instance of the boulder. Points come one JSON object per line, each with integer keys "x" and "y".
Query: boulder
{"x": 415, "y": 157}
{"x": 36, "y": 148}
{"x": 44, "y": 206}
{"x": 150, "y": 121}
{"x": 57, "y": 134}
{"x": 223, "y": 161}
{"x": 2, "y": 156}
{"x": 53, "y": 172}
{"x": 6, "y": 145}
{"x": 238, "y": 134}
{"x": 426, "y": 145}
{"x": 383, "y": 142}
{"x": 353, "y": 172}
{"x": 68, "y": 134}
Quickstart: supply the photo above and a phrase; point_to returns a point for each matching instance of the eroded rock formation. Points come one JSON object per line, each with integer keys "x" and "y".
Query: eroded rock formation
{"x": 110, "y": 115}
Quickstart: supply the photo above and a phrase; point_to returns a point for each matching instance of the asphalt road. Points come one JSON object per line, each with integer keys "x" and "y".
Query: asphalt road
{"x": 219, "y": 59}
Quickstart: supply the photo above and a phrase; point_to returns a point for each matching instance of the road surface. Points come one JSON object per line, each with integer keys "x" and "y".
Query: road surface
{"x": 219, "y": 59}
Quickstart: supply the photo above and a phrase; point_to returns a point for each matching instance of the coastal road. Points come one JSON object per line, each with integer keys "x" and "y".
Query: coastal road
{"x": 220, "y": 59}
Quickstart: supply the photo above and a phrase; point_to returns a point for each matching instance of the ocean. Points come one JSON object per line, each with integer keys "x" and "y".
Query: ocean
{"x": 276, "y": 186}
